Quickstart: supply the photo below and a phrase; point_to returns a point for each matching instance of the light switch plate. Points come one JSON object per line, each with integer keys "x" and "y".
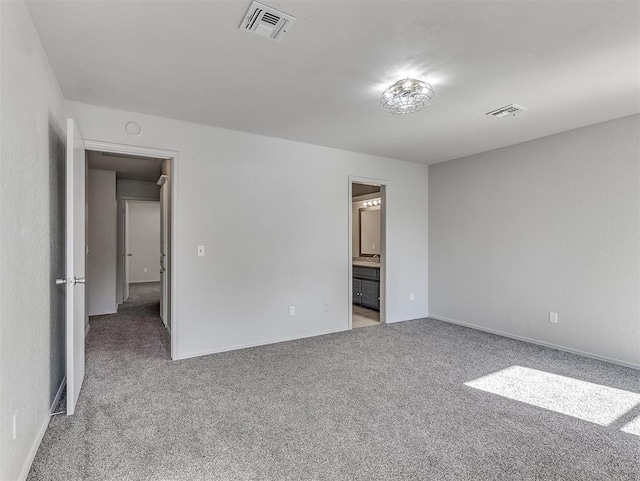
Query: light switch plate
{"x": 200, "y": 251}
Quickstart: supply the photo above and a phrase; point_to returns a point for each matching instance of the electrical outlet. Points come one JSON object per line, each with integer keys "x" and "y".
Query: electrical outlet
{"x": 292, "y": 310}
{"x": 145, "y": 269}
{"x": 553, "y": 317}
{"x": 326, "y": 306}
{"x": 412, "y": 297}
{"x": 15, "y": 425}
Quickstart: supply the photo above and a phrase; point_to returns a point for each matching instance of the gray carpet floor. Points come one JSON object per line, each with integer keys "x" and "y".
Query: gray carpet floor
{"x": 379, "y": 403}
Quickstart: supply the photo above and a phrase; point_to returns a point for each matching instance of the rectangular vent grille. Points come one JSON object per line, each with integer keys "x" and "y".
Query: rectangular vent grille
{"x": 511, "y": 109}
{"x": 266, "y": 22}
{"x": 270, "y": 18}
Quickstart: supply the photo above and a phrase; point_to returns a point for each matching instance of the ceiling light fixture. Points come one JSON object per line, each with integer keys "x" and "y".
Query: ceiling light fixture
{"x": 406, "y": 96}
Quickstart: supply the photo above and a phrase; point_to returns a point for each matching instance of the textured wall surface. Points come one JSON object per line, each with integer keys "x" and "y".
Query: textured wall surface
{"x": 551, "y": 225}
{"x": 247, "y": 198}
{"x": 31, "y": 242}
{"x": 101, "y": 241}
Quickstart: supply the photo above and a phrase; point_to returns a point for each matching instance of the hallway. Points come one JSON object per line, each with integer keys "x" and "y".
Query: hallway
{"x": 136, "y": 330}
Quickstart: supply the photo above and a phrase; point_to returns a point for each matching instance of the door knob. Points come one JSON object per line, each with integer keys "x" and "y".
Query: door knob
{"x": 78, "y": 280}
{"x": 60, "y": 281}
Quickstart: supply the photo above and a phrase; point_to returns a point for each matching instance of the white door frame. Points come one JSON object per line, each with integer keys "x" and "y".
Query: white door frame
{"x": 164, "y": 242}
{"x": 172, "y": 155}
{"x": 127, "y": 201}
{"x": 383, "y": 244}
{"x": 125, "y": 252}
{"x": 120, "y": 279}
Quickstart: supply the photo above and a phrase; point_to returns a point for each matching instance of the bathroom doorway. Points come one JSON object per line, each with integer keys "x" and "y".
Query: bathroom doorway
{"x": 367, "y": 253}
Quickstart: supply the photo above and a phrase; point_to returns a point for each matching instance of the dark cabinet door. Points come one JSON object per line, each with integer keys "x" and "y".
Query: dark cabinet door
{"x": 370, "y": 291}
{"x": 356, "y": 291}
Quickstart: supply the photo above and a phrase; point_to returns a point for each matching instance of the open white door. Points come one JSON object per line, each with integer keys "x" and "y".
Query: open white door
{"x": 75, "y": 260}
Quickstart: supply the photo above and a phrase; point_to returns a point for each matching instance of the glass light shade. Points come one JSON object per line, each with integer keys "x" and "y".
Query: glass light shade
{"x": 406, "y": 96}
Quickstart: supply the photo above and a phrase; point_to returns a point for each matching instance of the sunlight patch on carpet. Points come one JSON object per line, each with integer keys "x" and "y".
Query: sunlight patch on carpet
{"x": 584, "y": 400}
{"x": 632, "y": 427}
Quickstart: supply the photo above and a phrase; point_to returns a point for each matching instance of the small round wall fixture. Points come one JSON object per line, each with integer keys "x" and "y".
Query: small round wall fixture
{"x": 133, "y": 128}
{"x": 406, "y": 96}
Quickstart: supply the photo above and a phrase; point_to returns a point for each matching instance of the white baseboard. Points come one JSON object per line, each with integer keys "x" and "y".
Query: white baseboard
{"x": 56, "y": 399}
{"x": 34, "y": 449}
{"x": 86, "y": 331}
{"x": 536, "y": 341}
{"x": 395, "y": 321}
{"x": 103, "y": 312}
{"x": 255, "y": 344}
{"x": 165, "y": 325}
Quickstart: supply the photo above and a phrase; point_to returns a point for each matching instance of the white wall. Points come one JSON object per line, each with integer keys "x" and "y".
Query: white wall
{"x": 32, "y": 132}
{"x": 136, "y": 189}
{"x": 101, "y": 242}
{"x": 247, "y": 198}
{"x": 548, "y": 225}
{"x": 144, "y": 241}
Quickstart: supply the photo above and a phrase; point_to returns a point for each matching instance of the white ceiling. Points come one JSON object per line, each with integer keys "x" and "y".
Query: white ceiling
{"x": 362, "y": 189}
{"x": 571, "y": 63}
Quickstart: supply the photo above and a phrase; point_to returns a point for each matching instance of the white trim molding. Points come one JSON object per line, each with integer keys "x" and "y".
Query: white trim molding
{"x": 34, "y": 448}
{"x": 114, "y": 148}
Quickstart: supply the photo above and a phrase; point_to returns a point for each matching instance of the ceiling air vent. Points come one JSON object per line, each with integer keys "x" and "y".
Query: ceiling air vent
{"x": 266, "y": 21}
{"x": 511, "y": 109}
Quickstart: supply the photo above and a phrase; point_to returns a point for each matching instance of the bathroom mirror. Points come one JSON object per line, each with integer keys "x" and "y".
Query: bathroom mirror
{"x": 369, "y": 232}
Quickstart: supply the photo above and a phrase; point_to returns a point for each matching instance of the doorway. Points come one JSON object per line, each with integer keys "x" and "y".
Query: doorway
{"x": 77, "y": 250}
{"x": 142, "y": 243}
{"x": 367, "y": 240}
{"x": 143, "y": 209}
